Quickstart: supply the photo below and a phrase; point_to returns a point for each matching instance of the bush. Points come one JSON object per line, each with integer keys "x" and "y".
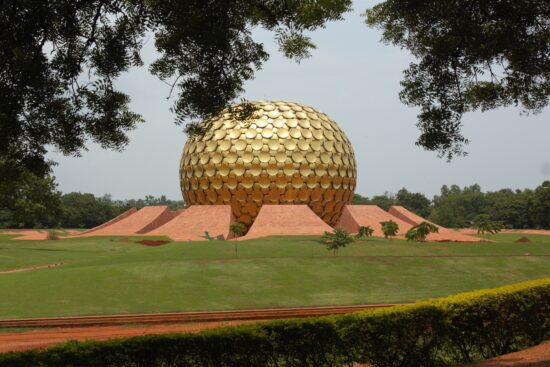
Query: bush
{"x": 238, "y": 229}
{"x": 364, "y": 232}
{"x": 442, "y": 332}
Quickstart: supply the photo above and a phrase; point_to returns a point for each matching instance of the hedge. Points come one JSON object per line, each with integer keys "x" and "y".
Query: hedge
{"x": 442, "y": 332}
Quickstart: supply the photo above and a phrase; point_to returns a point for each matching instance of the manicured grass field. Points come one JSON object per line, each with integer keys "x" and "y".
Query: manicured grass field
{"x": 102, "y": 276}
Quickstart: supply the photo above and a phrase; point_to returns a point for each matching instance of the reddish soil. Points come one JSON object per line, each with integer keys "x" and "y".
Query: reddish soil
{"x": 29, "y": 268}
{"x": 286, "y": 220}
{"x": 444, "y": 234}
{"x": 191, "y": 223}
{"x": 355, "y": 216}
{"x": 132, "y": 223}
{"x": 153, "y": 242}
{"x": 27, "y": 234}
{"x": 538, "y": 356}
{"x": 42, "y": 338}
{"x": 523, "y": 240}
{"x": 118, "y": 326}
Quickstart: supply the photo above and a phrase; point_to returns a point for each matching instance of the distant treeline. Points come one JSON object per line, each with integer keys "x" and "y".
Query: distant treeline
{"x": 36, "y": 203}
{"x": 458, "y": 207}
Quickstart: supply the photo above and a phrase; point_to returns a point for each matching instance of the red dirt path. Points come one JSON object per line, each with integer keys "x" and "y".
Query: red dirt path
{"x": 116, "y": 326}
{"x": 538, "y": 356}
{"x": 11, "y": 342}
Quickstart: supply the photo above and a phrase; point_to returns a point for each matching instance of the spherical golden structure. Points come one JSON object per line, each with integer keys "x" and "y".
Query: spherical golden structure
{"x": 279, "y": 153}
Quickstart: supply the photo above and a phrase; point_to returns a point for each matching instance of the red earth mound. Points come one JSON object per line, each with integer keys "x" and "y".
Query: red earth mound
{"x": 523, "y": 240}
{"x": 153, "y": 242}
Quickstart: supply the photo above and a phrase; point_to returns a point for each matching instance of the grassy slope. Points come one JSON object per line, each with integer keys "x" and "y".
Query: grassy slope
{"x": 103, "y": 276}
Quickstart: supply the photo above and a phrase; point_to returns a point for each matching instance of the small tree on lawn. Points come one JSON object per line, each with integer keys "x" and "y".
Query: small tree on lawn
{"x": 337, "y": 239}
{"x": 484, "y": 224}
{"x": 421, "y": 231}
{"x": 238, "y": 229}
{"x": 389, "y": 228}
{"x": 364, "y": 232}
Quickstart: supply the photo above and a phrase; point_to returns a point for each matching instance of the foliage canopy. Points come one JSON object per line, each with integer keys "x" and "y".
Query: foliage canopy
{"x": 472, "y": 55}
{"x": 59, "y": 61}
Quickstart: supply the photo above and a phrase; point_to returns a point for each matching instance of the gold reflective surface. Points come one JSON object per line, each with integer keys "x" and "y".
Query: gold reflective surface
{"x": 286, "y": 153}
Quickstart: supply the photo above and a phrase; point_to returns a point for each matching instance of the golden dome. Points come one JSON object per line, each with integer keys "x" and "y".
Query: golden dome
{"x": 283, "y": 153}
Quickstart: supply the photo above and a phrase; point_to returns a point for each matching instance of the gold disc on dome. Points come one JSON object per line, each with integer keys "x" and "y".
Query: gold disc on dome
{"x": 239, "y": 169}
{"x": 224, "y": 145}
{"x": 257, "y": 144}
{"x": 231, "y": 157}
{"x": 291, "y": 122}
{"x": 251, "y": 133}
{"x": 311, "y": 157}
{"x": 264, "y": 157}
{"x": 231, "y": 182}
{"x": 295, "y": 133}
{"x": 247, "y": 157}
{"x": 209, "y": 170}
{"x": 303, "y": 144}
{"x": 315, "y": 145}
{"x": 325, "y": 158}
{"x": 288, "y": 169}
{"x": 273, "y": 114}
{"x": 282, "y": 133}
{"x": 315, "y": 123}
{"x": 247, "y": 182}
{"x": 305, "y": 170}
{"x": 317, "y": 134}
{"x": 264, "y": 182}
{"x": 240, "y": 145}
{"x": 304, "y": 124}
{"x": 281, "y": 181}
{"x": 289, "y": 115}
{"x": 306, "y": 134}
{"x": 297, "y": 157}
{"x": 273, "y": 144}
{"x": 216, "y": 183}
{"x": 216, "y": 158}
{"x": 235, "y": 133}
{"x": 290, "y": 144}
{"x": 301, "y": 115}
{"x": 272, "y": 169}
{"x": 199, "y": 146}
{"x": 268, "y": 107}
{"x": 255, "y": 169}
{"x": 278, "y": 123}
{"x": 280, "y": 157}
{"x": 223, "y": 169}
{"x": 211, "y": 145}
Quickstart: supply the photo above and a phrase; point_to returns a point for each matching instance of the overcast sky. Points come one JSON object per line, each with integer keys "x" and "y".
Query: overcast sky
{"x": 354, "y": 79}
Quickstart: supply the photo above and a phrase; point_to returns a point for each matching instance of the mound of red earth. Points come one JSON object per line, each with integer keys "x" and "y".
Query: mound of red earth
{"x": 192, "y": 223}
{"x": 523, "y": 240}
{"x": 286, "y": 220}
{"x": 355, "y": 216}
{"x": 444, "y": 234}
{"x": 133, "y": 222}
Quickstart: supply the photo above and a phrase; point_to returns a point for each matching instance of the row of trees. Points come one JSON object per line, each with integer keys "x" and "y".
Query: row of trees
{"x": 35, "y": 202}
{"x": 459, "y": 207}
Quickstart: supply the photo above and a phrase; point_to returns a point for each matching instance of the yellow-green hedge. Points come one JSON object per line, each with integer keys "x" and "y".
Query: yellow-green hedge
{"x": 442, "y": 332}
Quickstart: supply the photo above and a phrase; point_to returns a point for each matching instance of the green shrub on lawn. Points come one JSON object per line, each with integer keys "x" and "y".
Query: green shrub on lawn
{"x": 442, "y": 332}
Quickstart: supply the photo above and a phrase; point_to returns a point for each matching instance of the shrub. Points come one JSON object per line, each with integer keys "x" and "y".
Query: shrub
{"x": 238, "y": 229}
{"x": 442, "y": 332}
{"x": 389, "y": 228}
{"x": 364, "y": 232}
{"x": 421, "y": 231}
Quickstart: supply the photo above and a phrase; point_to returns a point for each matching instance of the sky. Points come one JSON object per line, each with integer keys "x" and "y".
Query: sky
{"x": 354, "y": 79}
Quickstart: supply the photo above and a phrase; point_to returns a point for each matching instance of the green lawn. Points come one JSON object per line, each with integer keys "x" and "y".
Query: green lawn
{"x": 102, "y": 276}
